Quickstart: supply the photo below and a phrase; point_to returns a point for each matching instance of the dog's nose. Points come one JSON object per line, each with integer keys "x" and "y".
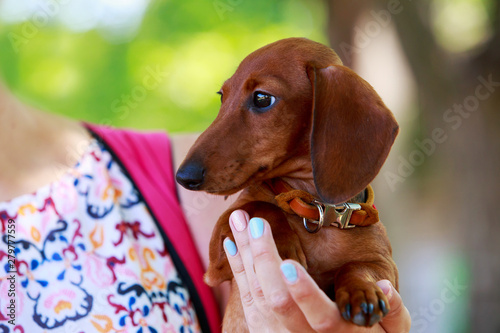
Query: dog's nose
{"x": 191, "y": 175}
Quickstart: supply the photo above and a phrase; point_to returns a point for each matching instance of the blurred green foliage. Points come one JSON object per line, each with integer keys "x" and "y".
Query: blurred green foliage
{"x": 165, "y": 77}
{"x": 461, "y": 25}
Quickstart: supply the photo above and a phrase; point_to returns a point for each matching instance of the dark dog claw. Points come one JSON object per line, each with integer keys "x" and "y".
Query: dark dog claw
{"x": 364, "y": 308}
{"x": 370, "y": 308}
{"x": 381, "y": 303}
{"x": 347, "y": 312}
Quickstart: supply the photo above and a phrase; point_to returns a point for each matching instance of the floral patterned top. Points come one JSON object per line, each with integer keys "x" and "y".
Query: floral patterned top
{"x": 87, "y": 256}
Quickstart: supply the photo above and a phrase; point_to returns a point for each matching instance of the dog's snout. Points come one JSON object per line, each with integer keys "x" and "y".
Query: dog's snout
{"x": 191, "y": 176}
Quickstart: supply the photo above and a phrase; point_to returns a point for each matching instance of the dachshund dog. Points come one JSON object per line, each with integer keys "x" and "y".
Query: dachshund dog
{"x": 301, "y": 134}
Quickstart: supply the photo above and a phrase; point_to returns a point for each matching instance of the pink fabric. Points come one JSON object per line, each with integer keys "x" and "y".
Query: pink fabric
{"x": 147, "y": 158}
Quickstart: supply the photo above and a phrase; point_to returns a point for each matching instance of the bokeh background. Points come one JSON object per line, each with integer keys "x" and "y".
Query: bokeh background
{"x": 150, "y": 64}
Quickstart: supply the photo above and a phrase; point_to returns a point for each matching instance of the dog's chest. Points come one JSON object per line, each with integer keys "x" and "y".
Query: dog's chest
{"x": 325, "y": 250}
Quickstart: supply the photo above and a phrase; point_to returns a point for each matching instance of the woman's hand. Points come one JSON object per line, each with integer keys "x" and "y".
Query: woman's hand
{"x": 280, "y": 296}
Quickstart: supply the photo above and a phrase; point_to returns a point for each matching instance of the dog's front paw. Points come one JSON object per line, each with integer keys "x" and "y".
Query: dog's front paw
{"x": 362, "y": 303}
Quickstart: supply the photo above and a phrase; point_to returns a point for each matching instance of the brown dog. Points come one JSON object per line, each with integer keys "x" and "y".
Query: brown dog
{"x": 297, "y": 130}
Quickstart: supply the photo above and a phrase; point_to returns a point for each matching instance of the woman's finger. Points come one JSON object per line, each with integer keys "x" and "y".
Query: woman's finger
{"x": 398, "y": 319}
{"x": 267, "y": 269}
{"x": 322, "y": 314}
{"x": 252, "y": 313}
{"x": 238, "y": 221}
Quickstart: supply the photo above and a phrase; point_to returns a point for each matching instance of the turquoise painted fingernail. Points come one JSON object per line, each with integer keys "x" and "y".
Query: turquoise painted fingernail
{"x": 289, "y": 271}
{"x": 230, "y": 246}
{"x": 256, "y": 227}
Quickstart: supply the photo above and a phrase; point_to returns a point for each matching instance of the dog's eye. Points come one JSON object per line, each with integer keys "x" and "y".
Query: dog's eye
{"x": 262, "y": 100}
{"x": 220, "y": 93}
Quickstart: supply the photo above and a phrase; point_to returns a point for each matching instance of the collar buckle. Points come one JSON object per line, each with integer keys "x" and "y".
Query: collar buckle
{"x": 340, "y": 215}
{"x": 343, "y": 213}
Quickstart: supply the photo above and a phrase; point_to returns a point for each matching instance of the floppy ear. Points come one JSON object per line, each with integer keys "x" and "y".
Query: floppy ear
{"x": 352, "y": 132}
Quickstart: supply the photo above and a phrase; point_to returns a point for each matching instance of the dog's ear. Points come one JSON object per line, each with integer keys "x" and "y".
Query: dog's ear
{"x": 352, "y": 132}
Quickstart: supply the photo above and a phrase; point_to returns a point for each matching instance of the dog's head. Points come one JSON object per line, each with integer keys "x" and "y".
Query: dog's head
{"x": 293, "y": 101}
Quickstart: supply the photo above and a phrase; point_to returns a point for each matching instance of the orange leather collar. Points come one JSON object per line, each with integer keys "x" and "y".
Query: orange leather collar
{"x": 301, "y": 203}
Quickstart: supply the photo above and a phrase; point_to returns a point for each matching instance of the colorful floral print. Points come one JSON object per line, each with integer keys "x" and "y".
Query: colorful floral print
{"x": 90, "y": 258}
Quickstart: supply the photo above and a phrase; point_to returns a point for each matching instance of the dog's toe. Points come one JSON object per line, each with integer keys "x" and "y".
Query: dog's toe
{"x": 363, "y": 305}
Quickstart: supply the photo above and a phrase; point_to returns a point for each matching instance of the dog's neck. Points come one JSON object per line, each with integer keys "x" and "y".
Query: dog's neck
{"x": 300, "y": 177}
{"x": 306, "y": 185}
{"x": 309, "y": 187}
{"x": 297, "y": 172}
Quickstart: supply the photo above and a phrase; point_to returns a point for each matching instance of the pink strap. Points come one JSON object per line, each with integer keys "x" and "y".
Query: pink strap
{"x": 148, "y": 160}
